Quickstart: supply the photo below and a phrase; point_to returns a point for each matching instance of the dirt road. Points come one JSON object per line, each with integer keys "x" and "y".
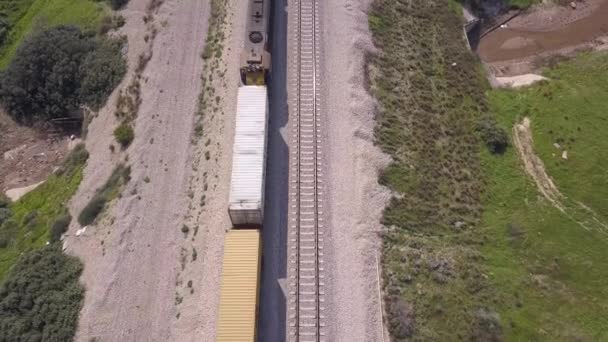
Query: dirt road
{"x": 524, "y": 37}
{"x": 132, "y": 256}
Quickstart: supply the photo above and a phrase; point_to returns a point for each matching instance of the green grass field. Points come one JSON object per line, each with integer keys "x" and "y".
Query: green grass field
{"x": 550, "y": 267}
{"x": 34, "y": 213}
{"x": 26, "y": 16}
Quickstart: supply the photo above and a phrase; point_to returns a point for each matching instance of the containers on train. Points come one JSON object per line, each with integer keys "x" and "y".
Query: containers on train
{"x": 246, "y": 202}
{"x": 240, "y": 286}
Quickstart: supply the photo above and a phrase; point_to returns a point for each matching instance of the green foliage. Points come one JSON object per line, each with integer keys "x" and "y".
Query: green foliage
{"x": 549, "y": 265}
{"x": 124, "y": 134}
{"x": 27, "y": 16}
{"x": 110, "y": 190}
{"x": 102, "y": 71}
{"x": 432, "y": 93}
{"x": 40, "y": 298}
{"x": 59, "y": 227}
{"x": 24, "y": 231}
{"x": 56, "y": 71}
{"x": 492, "y": 134}
{"x": 117, "y": 4}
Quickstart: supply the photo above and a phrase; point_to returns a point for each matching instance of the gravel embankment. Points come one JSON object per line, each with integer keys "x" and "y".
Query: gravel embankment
{"x": 356, "y": 200}
{"x": 132, "y": 256}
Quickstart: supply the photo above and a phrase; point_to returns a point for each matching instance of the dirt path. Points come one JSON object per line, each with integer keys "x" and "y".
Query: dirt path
{"x": 356, "y": 200}
{"x": 534, "y": 166}
{"x": 546, "y": 30}
{"x": 27, "y": 155}
{"x": 132, "y": 256}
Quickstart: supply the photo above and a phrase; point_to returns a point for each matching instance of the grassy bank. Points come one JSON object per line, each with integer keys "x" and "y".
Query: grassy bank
{"x": 25, "y": 16}
{"x": 549, "y": 266}
{"x": 32, "y": 216}
{"x": 472, "y": 251}
{"x": 431, "y": 92}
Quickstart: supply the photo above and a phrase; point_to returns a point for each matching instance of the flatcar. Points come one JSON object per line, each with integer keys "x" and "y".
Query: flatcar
{"x": 255, "y": 57}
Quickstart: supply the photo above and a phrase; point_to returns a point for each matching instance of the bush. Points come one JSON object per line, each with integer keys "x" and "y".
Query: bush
{"x": 102, "y": 72}
{"x": 111, "y": 189}
{"x": 57, "y": 70}
{"x": 4, "y": 201}
{"x": 117, "y": 4}
{"x": 5, "y": 28}
{"x": 42, "y": 80}
{"x": 493, "y": 136}
{"x": 74, "y": 161}
{"x": 41, "y": 297}
{"x": 92, "y": 210}
{"x": 5, "y": 214}
{"x": 60, "y": 226}
{"x": 487, "y": 327}
{"x": 124, "y": 135}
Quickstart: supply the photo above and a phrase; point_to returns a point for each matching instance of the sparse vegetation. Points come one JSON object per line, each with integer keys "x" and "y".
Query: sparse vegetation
{"x": 117, "y": 4}
{"x": 516, "y": 269}
{"x": 109, "y": 191}
{"x": 40, "y": 298}
{"x": 59, "y": 227}
{"x": 58, "y": 70}
{"x": 31, "y": 217}
{"x": 124, "y": 135}
{"x": 494, "y": 136}
{"x": 431, "y": 93}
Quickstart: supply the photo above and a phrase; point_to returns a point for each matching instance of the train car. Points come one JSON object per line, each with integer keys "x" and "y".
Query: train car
{"x": 240, "y": 287}
{"x": 255, "y": 57}
{"x": 246, "y": 201}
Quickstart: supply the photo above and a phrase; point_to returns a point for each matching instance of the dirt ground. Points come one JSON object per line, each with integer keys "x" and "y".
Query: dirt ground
{"x": 356, "y": 200}
{"x": 135, "y": 254}
{"x": 28, "y": 155}
{"x": 544, "y": 31}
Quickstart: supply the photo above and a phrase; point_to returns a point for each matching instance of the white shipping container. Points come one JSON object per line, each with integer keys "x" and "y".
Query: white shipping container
{"x": 249, "y": 157}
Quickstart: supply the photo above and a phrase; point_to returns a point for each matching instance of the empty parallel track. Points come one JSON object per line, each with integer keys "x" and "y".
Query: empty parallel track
{"x": 306, "y": 221}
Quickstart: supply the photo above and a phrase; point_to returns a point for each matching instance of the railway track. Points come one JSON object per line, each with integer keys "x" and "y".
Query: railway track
{"x": 306, "y": 220}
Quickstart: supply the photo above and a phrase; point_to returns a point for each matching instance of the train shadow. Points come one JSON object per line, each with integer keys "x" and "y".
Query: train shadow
{"x": 273, "y": 301}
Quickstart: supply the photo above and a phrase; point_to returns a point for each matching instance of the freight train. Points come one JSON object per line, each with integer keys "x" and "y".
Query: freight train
{"x": 240, "y": 284}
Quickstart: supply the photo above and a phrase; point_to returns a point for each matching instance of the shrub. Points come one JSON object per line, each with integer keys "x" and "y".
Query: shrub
{"x": 493, "y": 136}
{"x": 92, "y": 210}
{"x": 111, "y": 189}
{"x": 102, "y": 71}
{"x": 5, "y": 214}
{"x": 42, "y": 80}
{"x": 75, "y": 160}
{"x": 401, "y": 317}
{"x": 60, "y": 226}
{"x": 4, "y": 201}
{"x": 117, "y": 4}
{"x": 41, "y": 297}
{"x": 5, "y": 28}
{"x": 124, "y": 135}
{"x": 487, "y": 327}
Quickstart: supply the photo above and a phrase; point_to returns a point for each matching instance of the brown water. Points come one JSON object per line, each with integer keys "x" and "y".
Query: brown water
{"x": 506, "y": 44}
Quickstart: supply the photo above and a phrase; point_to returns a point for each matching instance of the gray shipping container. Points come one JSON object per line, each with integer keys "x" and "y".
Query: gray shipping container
{"x": 246, "y": 205}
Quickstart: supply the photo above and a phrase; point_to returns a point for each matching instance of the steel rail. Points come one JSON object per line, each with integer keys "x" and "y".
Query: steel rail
{"x": 306, "y": 275}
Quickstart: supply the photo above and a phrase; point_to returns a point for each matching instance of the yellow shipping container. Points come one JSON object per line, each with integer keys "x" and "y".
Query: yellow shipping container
{"x": 240, "y": 286}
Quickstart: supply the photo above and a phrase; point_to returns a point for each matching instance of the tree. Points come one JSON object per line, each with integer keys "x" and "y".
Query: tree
{"x": 40, "y": 298}
{"x": 43, "y": 79}
{"x": 56, "y": 71}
